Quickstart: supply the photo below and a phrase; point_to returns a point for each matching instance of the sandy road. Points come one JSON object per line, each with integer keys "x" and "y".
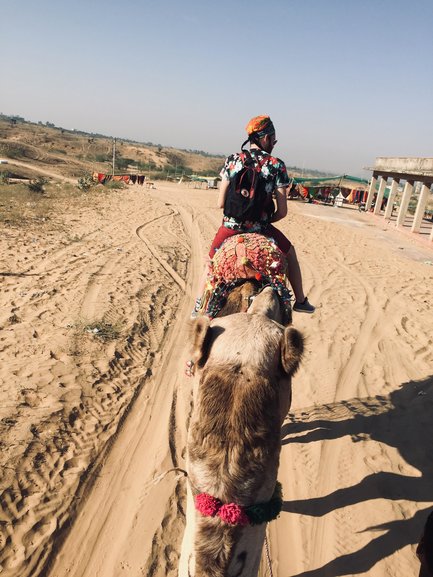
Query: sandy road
{"x": 345, "y": 472}
{"x": 120, "y": 527}
{"x": 345, "y": 400}
{"x": 79, "y": 390}
{"x": 354, "y": 469}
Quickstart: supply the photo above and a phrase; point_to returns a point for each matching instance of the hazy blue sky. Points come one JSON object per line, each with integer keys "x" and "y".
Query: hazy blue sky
{"x": 343, "y": 80}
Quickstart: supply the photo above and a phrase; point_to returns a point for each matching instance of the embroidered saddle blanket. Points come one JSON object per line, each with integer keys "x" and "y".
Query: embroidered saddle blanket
{"x": 245, "y": 256}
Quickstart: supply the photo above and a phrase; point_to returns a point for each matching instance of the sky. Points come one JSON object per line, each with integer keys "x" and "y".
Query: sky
{"x": 344, "y": 81}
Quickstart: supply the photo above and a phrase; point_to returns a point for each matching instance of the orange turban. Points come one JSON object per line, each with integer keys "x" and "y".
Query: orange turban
{"x": 260, "y": 125}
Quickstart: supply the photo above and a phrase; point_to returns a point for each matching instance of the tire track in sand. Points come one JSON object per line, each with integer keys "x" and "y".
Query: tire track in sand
{"x": 155, "y": 253}
{"x": 115, "y": 522}
{"x": 47, "y": 490}
{"x": 332, "y": 458}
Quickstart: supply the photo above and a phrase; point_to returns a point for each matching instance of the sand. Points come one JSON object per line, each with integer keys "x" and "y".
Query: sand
{"x": 95, "y": 403}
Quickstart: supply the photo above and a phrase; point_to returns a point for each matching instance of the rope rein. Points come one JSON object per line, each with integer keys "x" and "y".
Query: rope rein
{"x": 268, "y": 557}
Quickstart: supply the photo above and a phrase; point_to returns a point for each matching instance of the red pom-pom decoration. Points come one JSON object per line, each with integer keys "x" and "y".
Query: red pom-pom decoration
{"x": 258, "y": 276}
{"x": 240, "y": 238}
{"x": 232, "y": 514}
{"x": 207, "y": 505}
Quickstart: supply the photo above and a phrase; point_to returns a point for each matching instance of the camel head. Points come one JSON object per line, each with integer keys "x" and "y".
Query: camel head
{"x": 242, "y": 394}
{"x": 240, "y": 297}
{"x": 261, "y": 340}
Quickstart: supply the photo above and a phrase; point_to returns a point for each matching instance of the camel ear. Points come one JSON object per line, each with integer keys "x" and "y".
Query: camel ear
{"x": 200, "y": 338}
{"x": 292, "y": 348}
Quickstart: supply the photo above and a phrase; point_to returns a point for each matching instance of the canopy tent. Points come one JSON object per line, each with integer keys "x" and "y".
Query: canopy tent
{"x": 343, "y": 181}
{"x": 326, "y": 188}
{"x": 206, "y": 181}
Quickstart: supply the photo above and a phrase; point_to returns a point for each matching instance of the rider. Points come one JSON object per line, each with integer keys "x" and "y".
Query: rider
{"x": 261, "y": 138}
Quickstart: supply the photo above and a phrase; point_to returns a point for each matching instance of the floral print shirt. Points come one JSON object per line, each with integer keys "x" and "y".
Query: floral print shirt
{"x": 273, "y": 171}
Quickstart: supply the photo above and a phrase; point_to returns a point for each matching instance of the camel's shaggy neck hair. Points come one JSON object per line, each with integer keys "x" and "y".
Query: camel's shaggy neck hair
{"x": 240, "y": 408}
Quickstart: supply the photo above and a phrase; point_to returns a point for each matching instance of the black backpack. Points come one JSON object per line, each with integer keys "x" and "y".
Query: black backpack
{"x": 246, "y": 198}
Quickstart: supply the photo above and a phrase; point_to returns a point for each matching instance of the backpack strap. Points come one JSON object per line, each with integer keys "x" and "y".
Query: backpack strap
{"x": 247, "y": 159}
{"x": 261, "y": 163}
{"x": 249, "y": 165}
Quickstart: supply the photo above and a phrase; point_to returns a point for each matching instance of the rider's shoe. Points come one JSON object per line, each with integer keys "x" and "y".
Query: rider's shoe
{"x": 196, "y": 309}
{"x": 304, "y": 307}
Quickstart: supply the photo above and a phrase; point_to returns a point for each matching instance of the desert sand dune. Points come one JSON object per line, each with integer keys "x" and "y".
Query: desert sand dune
{"x": 93, "y": 422}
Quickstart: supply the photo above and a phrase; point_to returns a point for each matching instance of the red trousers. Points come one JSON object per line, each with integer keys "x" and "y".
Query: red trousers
{"x": 223, "y": 232}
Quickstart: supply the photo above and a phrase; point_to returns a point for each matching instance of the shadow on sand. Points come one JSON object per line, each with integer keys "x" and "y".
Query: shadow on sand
{"x": 402, "y": 420}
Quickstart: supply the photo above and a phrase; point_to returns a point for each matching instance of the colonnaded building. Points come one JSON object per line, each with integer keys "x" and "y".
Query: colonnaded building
{"x": 417, "y": 174}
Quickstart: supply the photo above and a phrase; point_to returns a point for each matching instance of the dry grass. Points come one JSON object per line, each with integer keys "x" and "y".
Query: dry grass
{"x": 104, "y": 330}
{"x": 20, "y": 207}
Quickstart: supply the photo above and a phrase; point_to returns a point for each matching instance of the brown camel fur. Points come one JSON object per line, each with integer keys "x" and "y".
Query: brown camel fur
{"x": 242, "y": 394}
{"x": 241, "y": 297}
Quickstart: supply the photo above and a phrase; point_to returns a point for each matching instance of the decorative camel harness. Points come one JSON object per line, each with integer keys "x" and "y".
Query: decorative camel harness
{"x": 240, "y": 257}
{"x": 234, "y": 514}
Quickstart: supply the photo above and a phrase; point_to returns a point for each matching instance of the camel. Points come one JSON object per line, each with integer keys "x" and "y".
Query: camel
{"x": 241, "y": 395}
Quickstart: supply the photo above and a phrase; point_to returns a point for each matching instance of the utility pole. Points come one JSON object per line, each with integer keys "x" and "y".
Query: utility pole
{"x": 114, "y": 153}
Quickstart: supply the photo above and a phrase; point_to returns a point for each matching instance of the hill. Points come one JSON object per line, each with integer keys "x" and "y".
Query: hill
{"x": 74, "y": 154}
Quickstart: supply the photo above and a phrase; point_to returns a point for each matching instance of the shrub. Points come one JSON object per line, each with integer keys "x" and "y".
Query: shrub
{"x": 13, "y": 150}
{"x": 4, "y": 177}
{"x": 85, "y": 183}
{"x": 123, "y": 163}
{"x": 114, "y": 184}
{"x": 104, "y": 330}
{"x": 38, "y": 185}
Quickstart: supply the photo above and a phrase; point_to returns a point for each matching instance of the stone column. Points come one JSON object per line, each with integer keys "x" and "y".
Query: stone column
{"x": 391, "y": 197}
{"x": 380, "y": 194}
{"x": 371, "y": 192}
{"x": 404, "y": 203}
{"x": 422, "y": 203}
